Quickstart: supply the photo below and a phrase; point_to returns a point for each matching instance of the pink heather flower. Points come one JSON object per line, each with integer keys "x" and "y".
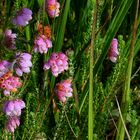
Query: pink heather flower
{"x": 23, "y": 63}
{"x": 23, "y": 17}
{"x": 42, "y": 44}
{"x": 58, "y": 62}
{"x": 64, "y": 90}
{"x": 12, "y": 124}
{"x": 9, "y": 83}
{"x": 13, "y": 107}
{"x": 52, "y": 8}
{"x": 9, "y": 39}
{"x": 113, "y": 51}
{"x": 4, "y": 67}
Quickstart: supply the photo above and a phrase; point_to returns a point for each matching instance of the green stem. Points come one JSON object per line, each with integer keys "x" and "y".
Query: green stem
{"x": 135, "y": 131}
{"x": 28, "y": 37}
{"x": 91, "y": 112}
{"x": 69, "y": 123}
{"x": 126, "y": 100}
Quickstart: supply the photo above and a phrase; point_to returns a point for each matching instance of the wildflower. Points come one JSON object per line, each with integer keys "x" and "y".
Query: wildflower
{"x": 9, "y": 39}
{"x": 23, "y": 17}
{"x": 9, "y": 83}
{"x": 52, "y": 8}
{"x": 64, "y": 90}
{"x": 4, "y": 67}
{"x": 23, "y": 63}
{"x": 44, "y": 30}
{"x": 113, "y": 51}
{"x": 12, "y": 124}
{"x": 42, "y": 44}
{"x": 58, "y": 62}
{"x": 13, "y": 107}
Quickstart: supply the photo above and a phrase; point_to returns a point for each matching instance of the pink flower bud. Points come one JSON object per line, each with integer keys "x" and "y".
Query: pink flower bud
{"x": 113, "y": 51}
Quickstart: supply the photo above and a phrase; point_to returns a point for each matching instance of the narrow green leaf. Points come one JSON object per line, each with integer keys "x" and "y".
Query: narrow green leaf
{"x": 61, "y": 31}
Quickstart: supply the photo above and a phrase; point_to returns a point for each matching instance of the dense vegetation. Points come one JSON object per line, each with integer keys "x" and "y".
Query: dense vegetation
{"x": 105, "y": 101}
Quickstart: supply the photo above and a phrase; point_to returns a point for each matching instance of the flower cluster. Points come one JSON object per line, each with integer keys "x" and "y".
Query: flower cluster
{"x": 9, "y": 83}
{"x": 58, "y": 62}
{"x": 42, "y": 44}
{"x": 23, "y": 63}
{"x": 113, "y": 51}
{"x": 23, "y": 17}
{"x": 12, "y": 109}
{"x": 9, "y": 39}
{"x": 52, "y": 8}
{"x": 64, "y": 90}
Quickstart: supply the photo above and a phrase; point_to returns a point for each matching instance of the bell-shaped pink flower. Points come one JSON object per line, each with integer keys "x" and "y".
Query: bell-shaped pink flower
{"x": 23, "y": 63}
{"x": 58, "y": 63}
{"x": 42, "y": 44}
{"x": 12, "y": 124}
{"x": 52, "y": 8}
{"x": 64, "y": 90}
{"x": 13, "y": 107}
{"x": 23, "y": 17}
{"x": 9, "y": 39}
{"x": 113, "y": 51}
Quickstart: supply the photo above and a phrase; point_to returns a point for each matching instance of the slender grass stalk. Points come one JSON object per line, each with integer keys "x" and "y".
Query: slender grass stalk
{"x": 61, "y": 31}
{"x": 91, "y": 112}
{"x": 122, "y": 120}
{"x": 69, "y": 123}
{"x": 126, "y": 93}
{"x": 83, "y": 102}
{"x": 28, "y": 37}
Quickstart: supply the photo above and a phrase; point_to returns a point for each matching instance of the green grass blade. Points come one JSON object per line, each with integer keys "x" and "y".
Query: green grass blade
{"x": 61, "y": 31}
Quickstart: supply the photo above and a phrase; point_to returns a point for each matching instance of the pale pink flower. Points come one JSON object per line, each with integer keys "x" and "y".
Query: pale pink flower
{"x": 12, "y": 124}
{"x": 113, "y": 51}
{"x": 64, "y": 90}
{"x": 58, "y": 63}
{"x": 23, "y": 17}
{"x": 13, "y": 107}
{"x": 42, "y": 44}
{"x": 23, "y": 63}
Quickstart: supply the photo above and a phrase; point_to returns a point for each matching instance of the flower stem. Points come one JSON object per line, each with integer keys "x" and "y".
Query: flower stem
{"x": 91, "y": 112}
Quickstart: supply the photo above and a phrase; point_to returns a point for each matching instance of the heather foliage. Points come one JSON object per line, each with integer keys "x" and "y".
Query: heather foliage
{"x": 69, "y": 70}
